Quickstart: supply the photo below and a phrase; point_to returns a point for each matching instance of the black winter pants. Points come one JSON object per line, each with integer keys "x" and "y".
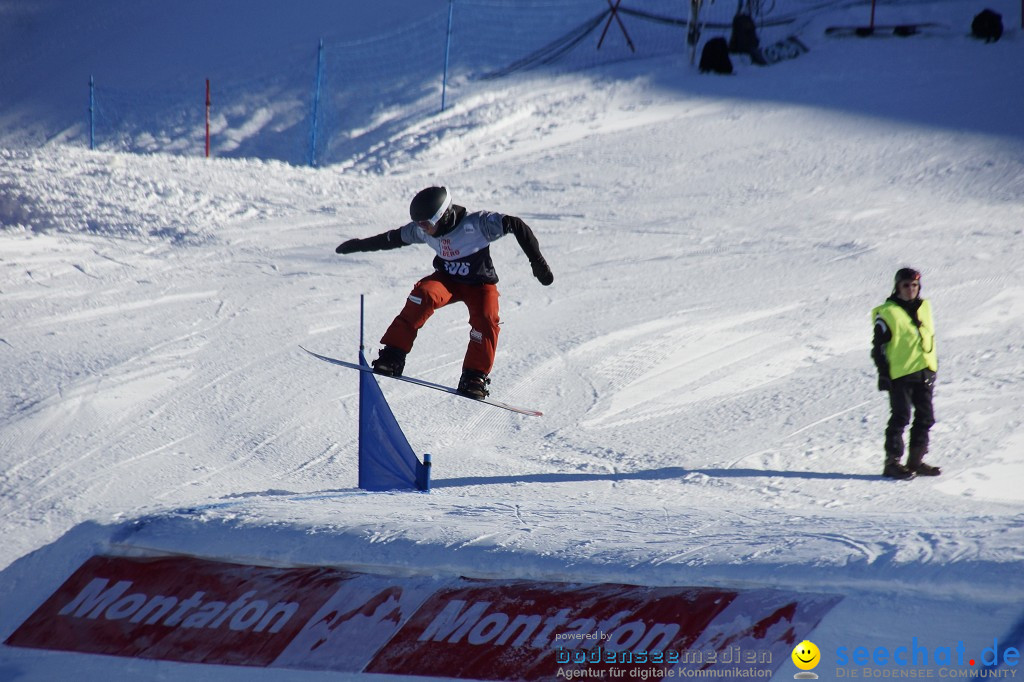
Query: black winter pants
{"x": 906, "y": 394}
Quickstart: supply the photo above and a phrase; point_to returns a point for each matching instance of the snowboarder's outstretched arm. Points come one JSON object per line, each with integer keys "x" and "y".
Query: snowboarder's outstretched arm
{"x": 528, "y": 243}
{"x": 392, "y": 239}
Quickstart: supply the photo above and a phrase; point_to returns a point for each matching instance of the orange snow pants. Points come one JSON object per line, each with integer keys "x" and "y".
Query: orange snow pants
{"x": 438, "y": 290}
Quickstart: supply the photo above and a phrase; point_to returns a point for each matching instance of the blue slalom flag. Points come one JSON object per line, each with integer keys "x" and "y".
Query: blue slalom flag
{"x": 386, "y": 460}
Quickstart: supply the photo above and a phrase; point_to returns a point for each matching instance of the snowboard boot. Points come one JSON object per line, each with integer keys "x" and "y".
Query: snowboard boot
{"x": 473, "y": 384}
{"x": 390, "y": 362}
{"x": 915, "y": 463}
{"x": 893, "y": 469}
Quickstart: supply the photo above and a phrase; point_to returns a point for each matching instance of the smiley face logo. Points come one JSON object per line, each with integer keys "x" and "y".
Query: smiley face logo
{"x": 806, "y": 655}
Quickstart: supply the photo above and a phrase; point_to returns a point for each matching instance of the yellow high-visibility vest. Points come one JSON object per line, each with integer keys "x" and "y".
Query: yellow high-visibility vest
{"x": 911, "y": 348}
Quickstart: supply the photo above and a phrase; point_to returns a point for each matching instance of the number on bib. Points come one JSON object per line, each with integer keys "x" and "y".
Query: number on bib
{"x": 457, "y": 268}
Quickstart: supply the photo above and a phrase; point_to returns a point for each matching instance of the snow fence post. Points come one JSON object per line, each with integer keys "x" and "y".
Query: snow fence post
{"x": 92, "y": 113}
{"x": 207, "y": 118}
{"x": 447, "y": 52}
{"x": 693, "y": 30}
{"x": 316, "y": 102}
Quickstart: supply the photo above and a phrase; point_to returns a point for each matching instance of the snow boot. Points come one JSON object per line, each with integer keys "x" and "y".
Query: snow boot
{"x": 898, "y": 472}
{"x": 390, "y": 362}
{"x": 893, "y": 469}
{"x": 473, "y": 384}
{"x": 915, "y": 462}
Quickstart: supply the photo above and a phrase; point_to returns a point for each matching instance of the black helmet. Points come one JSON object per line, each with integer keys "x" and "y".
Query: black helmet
{"x": 430, "y": 205}
{"x": 905, "y": 275}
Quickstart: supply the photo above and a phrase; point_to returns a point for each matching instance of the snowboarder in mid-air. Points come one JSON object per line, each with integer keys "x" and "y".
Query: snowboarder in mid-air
{"x": 463, "y": 271}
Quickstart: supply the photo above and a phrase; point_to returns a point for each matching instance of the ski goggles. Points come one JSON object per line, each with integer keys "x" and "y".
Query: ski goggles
{"x": 431, "y": 222}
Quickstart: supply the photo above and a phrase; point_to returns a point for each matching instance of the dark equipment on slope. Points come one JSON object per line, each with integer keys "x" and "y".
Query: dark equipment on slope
{"x": 744, "y": 40}
{"x": 987, "y": 26}
{"x": 715, "y": 57}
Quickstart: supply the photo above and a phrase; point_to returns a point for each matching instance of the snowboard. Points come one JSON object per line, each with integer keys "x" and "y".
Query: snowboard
{"x": 428, "y": 384}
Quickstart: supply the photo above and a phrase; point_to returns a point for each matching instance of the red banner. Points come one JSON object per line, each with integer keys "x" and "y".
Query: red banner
{"x": 356, "y": 622}
{"x": 179, "y": 609}
{"x": 193, "y": 610}
{"x": 528, "y": 631}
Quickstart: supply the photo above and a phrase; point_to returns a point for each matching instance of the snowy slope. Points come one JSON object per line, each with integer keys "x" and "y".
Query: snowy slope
{"x": 701, "y": 359}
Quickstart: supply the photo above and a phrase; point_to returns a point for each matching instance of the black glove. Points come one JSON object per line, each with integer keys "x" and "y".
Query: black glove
{"x": 351, "y": 246}
{"x": 884, "y": 383}
{"x": 542, "y": 272}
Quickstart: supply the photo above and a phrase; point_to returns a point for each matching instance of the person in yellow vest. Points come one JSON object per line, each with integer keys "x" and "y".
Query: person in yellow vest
{"x": 904, "y": 353}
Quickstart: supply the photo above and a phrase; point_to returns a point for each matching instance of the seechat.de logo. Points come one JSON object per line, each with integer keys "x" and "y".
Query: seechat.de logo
{"x": 806, "y": 656}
